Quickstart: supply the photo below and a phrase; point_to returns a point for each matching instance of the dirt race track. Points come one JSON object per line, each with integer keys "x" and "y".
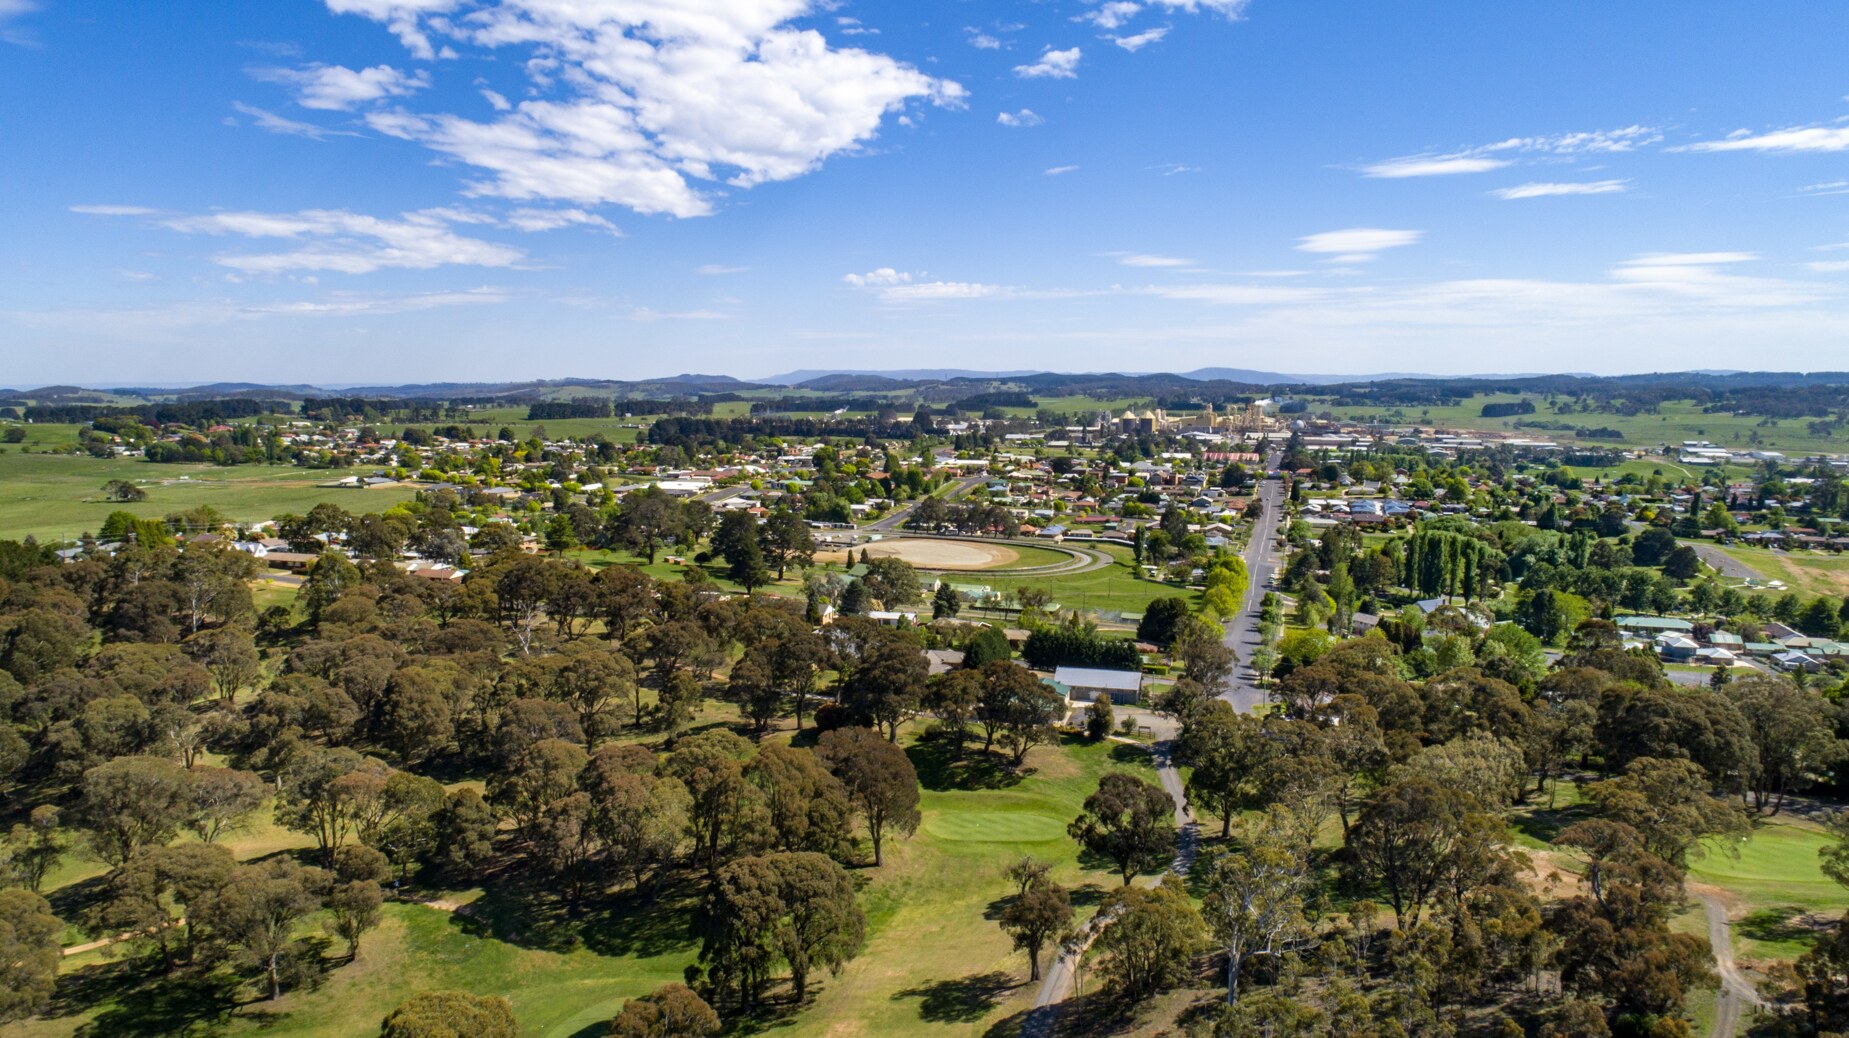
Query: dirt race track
{"x": 936, "y": 555}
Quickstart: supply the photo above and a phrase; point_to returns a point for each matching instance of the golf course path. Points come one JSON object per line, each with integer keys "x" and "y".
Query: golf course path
{"x": 1058, "y": 981}
{"x": 1737, "y": 992}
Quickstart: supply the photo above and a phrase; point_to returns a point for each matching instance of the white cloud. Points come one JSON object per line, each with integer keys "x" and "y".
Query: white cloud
{"x": 712, "y": 269}
{"x": 1833, "y": 187}
{"x": 897, "y": 286}
{"x": 982, "y": 40}
{"x": 11, "y": 11}
{"x": 1053, "y": 64}
{"x": 113, "y": 210}
{"x": 1140, "y": 259}
{"x": 1789, "y": 141}
{"x": 1236, "y": 295}
{"x": 1141, "y": 39}
{"x": 1111, "y": 15}
{"x": 881, "y": 277}
{"x": 1546, "y": 190}
{"x": 1024, "y": 117}
{"x": 1357, "y": 244}
{"x": 1829, "y": 266}
{"x": 1432, "y": 166}
{"x": 338, "y": 88}
{"x": 534, "y": 220}
{"x": 346, "y": 242}
{"x": 644, "y": 313}
{"x": 496, "y": 100}
{"x": 401, "y": 17}
{"x": 1057, "y": 171}
{"x": 1229, "y": 9}
{"x": 650, "y": 97}
{"x": 1484, "y": 158}
{"x": 933, "y": 291}
{"x": 1689, "y": 259}
{"x": 270, "y": 122}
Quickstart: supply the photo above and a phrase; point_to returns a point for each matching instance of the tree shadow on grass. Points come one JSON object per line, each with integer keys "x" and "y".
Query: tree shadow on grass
{"x": 76, "y": 900}
{"x": 631, "y": 923}
{"x": 1095, "y": 1014}
{"x": 1132, "y": 756}
{"x": 1783, "y": 923}
{"x": 1540, "y": 823}
{"x": 963, "y": 1000}
{"x": 939, "y": 769}
{"x": 138, "y": 1002}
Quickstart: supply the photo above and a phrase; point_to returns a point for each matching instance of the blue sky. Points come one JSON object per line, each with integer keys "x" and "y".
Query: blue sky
{"x": 347, "y": 191}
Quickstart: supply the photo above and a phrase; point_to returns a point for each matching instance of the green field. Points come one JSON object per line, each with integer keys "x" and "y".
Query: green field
{"x": 1114, "y": 588}
{"x": 1806, "y": 572}
{"x": 1776, "y": 880}
{"x": 1675, "y": 422}
{"x": 59, "y": 496}
{"x": 933, "y": 965}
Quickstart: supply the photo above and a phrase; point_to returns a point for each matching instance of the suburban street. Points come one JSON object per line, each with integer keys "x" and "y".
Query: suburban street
{"x": 1261, "y": 557}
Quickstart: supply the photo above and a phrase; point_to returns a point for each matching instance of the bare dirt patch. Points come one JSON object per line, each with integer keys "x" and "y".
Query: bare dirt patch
{"x": 929, "y": 554}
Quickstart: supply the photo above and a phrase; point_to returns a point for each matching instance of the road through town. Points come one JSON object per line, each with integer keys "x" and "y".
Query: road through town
{"x": 1261, "y": 556}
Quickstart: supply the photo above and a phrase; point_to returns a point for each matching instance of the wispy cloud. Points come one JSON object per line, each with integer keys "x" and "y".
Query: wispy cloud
{"x": 1024, "y": 117}
{"x": 337, "y": 88}
{"x": 1790, "y": 141}
{"x": 1143, "y": 259}
{"x": 1052, "y": 64}
{"x": 1432, "y": 166}
{"x": 1487, "y": 157}
{"x": 896, "y": 286}
{"x": 340, "y": 241}
{"x": 982, "y": 40}
{"x": 1356, "y": 244}
{"x": 1546, "y": 190}
{"x": 10, "y": 13}
{"x": 714, "y": 269}
{"x": 1057, "y": 171}
{"x": 270, "y": 122}
{"x": 1141, "y": 39}
{"x": 114, "y": 210}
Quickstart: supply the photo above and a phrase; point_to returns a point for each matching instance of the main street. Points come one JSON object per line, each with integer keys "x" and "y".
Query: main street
{"x": 1261, "y": 557}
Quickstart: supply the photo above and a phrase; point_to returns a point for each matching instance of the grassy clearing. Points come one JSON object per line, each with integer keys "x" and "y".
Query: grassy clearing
{"x": 59, "y": 496}
{"x": 1806, "y": 572}
{"x": 934, "y": 964}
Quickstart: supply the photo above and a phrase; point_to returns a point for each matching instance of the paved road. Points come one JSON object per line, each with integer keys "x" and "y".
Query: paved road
{"x": 1737, "y": 993}
{"x": 1261, "y": 557}
{"x": 1724, "y": 564}
{"x": 1057, "y": 983}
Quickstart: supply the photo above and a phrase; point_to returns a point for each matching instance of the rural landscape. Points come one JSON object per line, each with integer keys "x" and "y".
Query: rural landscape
{"x": 929, "y": 705}
{"x": 995, "y": 519}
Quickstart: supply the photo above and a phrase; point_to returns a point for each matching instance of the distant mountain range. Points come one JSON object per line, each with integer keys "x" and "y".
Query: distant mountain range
{"x": 948, "y": 385}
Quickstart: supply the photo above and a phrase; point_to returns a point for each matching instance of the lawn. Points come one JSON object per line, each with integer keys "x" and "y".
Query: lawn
{"x": 1776, "y": 879}
{"x": 1115, "y": 588}
{"x": 59, "y": 496}
{"x": 934, "y": 963}
{"x": 1806, "y": 572}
